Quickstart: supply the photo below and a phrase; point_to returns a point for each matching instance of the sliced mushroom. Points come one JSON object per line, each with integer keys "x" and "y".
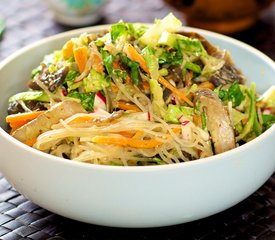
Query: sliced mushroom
{"x": 228, "y": 73}
{"x": 44, "y": 121}
{"x": 217, "y": 120}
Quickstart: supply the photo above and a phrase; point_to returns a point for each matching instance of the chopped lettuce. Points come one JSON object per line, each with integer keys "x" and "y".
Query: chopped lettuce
{"x": 134, "y": 66}
{"x": 170, "y": 56}
{"x": 69, "y": 80}
{"x": 252, "y": 128}
{"x": 157, "y": 98}
{"x": 86, "y": 99}
{"x": 119, "y": 29}
{"x": 211, "y": 64}
{"x": 95, "y": 81}
{"x": 193, "y": 67}
{"x": 268, "y": 120}
{"x": 151, "y": 61}
{"x": 233, "y": 94}
{"x": 108, "y": 60}
{"x": 168, "y": 39}
{"x": 191, "y": 46}
{"x": 30, "y": 95}
{"x": 238, "y": 116}
{"x": 169, "y": 24}
{"x": 71, "y": 75}
{"x": 174, "y": 113}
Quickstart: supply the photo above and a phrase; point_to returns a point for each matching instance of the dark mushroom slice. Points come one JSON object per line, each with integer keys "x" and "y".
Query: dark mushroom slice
{"x": 228, "y": 73}
{"x": 16, "y": 107}
{"x": 217, "y": 120}
{"x": 44, "y": 121}
{"x": 55, "y": 79}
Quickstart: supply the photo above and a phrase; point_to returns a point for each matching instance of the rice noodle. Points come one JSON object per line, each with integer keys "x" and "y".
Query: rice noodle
{"x": 77, "y": 142}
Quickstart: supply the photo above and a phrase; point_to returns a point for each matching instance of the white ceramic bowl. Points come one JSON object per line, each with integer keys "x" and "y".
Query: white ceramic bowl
{"x": 135, "y": 196}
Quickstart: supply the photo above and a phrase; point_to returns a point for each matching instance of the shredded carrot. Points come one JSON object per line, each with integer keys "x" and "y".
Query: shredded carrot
{"x": 178, "y": 93}
{"x": 138, "y": 134}
{"x": 116, "y": 64}
{"x": 127, "y": 106}
{"x": 30, "y": 142}
{"x": 81, "y": 119}
{"x": 17, "y": 120}
{"x": 126, "y": 134}
{"x": 133, "y": 54}
{"x": 207, "y": 84}
{"x": 176, "y": 130}
{"x": 197, "y": 120}
{"x": 67, "y": 50}
{"x": 145, "y": 85}
{"x": 127, "y": 142}
{"x": 81, "y": 57}
{"x": 97, "y": 62}
{"x": 114, "y": 87}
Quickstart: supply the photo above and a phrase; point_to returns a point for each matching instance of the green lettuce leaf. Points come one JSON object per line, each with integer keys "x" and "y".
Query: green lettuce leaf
{"x": 86, "y": 99}
{"x": 30, "y": 95}
{"x": 169, "y": 24}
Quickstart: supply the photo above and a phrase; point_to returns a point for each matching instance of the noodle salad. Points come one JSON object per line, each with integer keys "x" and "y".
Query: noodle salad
{"x": 139, "y": 95}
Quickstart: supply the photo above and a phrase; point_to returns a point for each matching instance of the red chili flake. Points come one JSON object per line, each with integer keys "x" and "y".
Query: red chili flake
{"x": 170, "y": 49}
{"x": 64, "y": 92}
{"x": 173, "y": 100}
{"x": 184, "y": 123}
{"x": 148, "y": 116}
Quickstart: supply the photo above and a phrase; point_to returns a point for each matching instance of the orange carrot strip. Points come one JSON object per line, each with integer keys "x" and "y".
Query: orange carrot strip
{"x": 176, "y": 130}
{"x": 197, "y": 120}
{"x": 145, "y": 85}
{"x": 116, "y": 64}
{"x": 133, "y": 54}
{"x": 126, "y": 134}
{"x": 138, "y": 134}
{"x": 81, "y": 119}
{"x": 179, "y": 94}
{"x": 30, "y": 142}
{"x": 127, "y": 142}
{"x": 20, "y": 119}
{"x": 67, "y": 50}
{"x": 207, "y": 84}
{"x": 97, "y": 64}
{"x": 127, "y": 106}
{"x": 114, "y": 88}
{"x": 81, "y": 57}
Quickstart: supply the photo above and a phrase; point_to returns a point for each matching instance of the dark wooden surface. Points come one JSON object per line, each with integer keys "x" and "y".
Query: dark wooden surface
{"x": 254, "y": 218}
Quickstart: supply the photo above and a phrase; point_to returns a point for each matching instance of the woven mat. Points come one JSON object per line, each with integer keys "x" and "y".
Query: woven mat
{"x": 254, "y": 218}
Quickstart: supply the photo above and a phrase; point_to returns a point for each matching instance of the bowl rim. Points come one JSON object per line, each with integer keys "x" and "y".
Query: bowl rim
{"x": 99, "y": 28}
